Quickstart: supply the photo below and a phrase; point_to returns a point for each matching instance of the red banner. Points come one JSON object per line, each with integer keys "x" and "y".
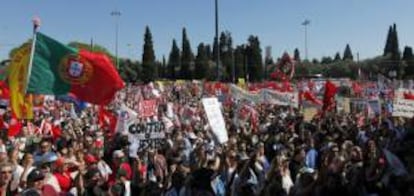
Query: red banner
{"x": 148, "y": 108}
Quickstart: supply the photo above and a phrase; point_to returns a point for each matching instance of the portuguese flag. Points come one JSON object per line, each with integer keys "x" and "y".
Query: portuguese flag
{"x": 58, "y": 69}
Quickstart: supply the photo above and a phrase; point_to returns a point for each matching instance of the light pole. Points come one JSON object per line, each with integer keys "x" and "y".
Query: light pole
{"x": 217, "y": 41}
{"x": 116, "y": 14}
{"x": 306, "y": 23}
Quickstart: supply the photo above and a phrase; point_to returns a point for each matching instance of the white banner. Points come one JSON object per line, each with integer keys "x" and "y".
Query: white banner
{"x": 403, "y": 108}
{"x": 215, "y": 118}
{"x": 267, "y": 95}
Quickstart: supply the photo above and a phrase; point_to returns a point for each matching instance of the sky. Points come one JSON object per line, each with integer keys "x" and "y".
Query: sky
{"x": 333, "y": 23}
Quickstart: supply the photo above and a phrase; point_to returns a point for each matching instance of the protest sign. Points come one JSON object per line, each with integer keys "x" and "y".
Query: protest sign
{"x": 309, "y": 113}
{"x": 147, "y": 108}
{"x": 147, "y": 135}
{"x": 403, "y": 108}
{"x": 125, "y": 117}
{"x": 215, "y": 119}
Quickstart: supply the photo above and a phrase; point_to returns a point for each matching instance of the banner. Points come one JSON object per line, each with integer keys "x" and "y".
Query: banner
{"x": 403, "y": 108}
{"x": 215, "y": 119}
{"x": 149, "y": 135}
{"x": 266, "y": 95}
{"x": 147, "y": 108}
{"x": 280, "y": 98}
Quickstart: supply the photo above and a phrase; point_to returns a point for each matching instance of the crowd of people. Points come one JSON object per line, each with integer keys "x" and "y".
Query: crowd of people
{"x": 273, "y": 152}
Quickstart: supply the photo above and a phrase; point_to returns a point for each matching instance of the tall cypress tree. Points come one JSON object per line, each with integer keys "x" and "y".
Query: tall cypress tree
{"x": 296, "y": 55}
{"x": 187, "y": 58}
{"x": 226, "y": 55}
{"x": 348, "y": 53}
{"x": 240, "y": 61}
{"x": 387, "y": 48}
{"x": 201, "y": 62}
{"x": 174, "y": 61}
{"x": 254, "y": 59}
{"x": 337, "y": 57}
{"x": 395, "y": 49}
{"x": 408, "y": 58}
{"x": 148, "y": 58}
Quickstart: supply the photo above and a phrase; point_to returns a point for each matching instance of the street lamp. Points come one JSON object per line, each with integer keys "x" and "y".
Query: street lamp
{"x": 306, "y": 23}
{"x": 116, "y": 14}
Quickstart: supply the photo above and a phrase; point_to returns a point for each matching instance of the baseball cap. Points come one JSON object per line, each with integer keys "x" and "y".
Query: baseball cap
{"x": 35, "y": 175}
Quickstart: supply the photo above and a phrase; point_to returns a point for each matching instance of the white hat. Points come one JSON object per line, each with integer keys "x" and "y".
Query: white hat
{"x": 118, "y": 153}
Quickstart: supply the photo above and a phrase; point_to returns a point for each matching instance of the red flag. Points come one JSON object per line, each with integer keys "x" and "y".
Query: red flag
{"x": 106, "y": 118}
{"x": 408, "y": 95}
{"x": 356, "y": 88}
{"x": 311, "y": 97}
{"x": 56, "y": 132}
{"x": 105, "y": 81}
{"x": 14, "y": 126}
{"x": 329, "y": 96}
{"x": 4, "y": 90}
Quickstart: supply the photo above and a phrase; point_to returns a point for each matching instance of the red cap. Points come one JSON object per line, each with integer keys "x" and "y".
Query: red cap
{"x": 90, "y": 159}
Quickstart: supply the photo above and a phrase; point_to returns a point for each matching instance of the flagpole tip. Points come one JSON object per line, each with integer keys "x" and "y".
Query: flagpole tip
{"x": 36, "y": 21}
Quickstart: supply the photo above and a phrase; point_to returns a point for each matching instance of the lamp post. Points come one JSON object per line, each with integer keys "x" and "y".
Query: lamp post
{"x": 116, "y": 14}
{"x": 306, "y": 23}
{"x": 217, "y": 41}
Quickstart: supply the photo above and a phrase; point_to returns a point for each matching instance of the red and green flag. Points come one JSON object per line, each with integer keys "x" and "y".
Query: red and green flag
{"x": 58, "y": 69}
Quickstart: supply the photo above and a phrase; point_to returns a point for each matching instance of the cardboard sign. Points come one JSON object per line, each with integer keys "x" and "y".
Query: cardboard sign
{"x": 142, "y": 136}
{"x": 403, "y": 108}
{"x": 147, "y": 108}
{"x": 215, "y": 119}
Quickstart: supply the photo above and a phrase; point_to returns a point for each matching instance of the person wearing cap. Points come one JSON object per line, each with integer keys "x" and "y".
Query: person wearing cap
{"x": 62, "y": 174}
{"x": 45, "y": 151}
{"x": 120, "y": 162}
{"x": 36, "y": 185}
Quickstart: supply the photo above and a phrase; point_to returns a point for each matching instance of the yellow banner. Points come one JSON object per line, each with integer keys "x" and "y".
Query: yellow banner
{"x": 21, "y": 104}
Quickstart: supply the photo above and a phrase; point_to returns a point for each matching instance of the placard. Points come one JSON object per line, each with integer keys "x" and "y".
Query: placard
{"x": 403, "y": 108}
{"x": 215, "y": 119}
{"x": 147, "y": 108}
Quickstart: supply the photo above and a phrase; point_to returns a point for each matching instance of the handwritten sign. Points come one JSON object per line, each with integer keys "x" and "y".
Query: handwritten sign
{"x": 403, "y": 108}
{"x": 215, "y": 119}
{"x": 146, "y": 135}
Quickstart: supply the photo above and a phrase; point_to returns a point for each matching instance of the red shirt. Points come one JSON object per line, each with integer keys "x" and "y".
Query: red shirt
{"x": 65, "y": 181}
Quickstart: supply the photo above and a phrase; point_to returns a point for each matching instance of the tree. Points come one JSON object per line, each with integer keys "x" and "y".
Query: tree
{"x": 149, "y": 69}
{"x": 348, "y": 53}
{"x": 240, "y": 61}
{"x": 226, "y": 55}
{"x": 326, "y": 60}
{"x": 174, "y": 61}
{"x": 254, "y": 59}
{"x": 387, "y": 48}
{"x": 408, "y": 58}
{"x": 201, "y": 62}
{"x": 337, "y": 57}
{"x": 296, "y": 55}
{"x": 187, "y": 58}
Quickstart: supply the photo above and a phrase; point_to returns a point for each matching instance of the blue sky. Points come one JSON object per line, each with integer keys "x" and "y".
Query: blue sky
{"x": 334, "y": 23}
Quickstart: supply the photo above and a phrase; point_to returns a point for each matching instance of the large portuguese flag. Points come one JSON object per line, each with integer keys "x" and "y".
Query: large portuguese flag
{"x": 58, "y": 69}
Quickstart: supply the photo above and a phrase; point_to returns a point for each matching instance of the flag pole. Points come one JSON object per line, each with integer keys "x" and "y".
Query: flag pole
{"x": 36, "y": 24}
